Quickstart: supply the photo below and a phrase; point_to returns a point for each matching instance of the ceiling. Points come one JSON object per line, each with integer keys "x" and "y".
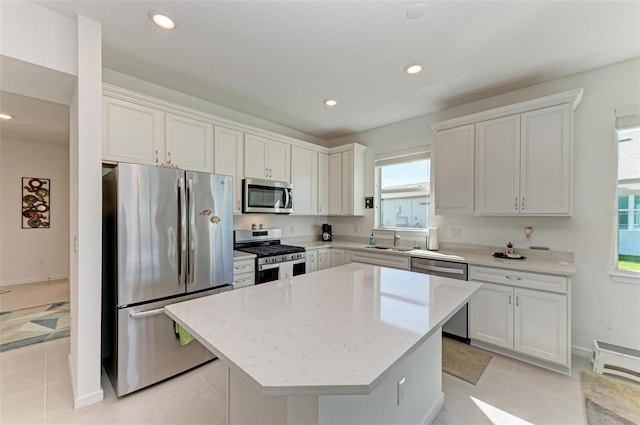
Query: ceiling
{"x": 278, "y": 60}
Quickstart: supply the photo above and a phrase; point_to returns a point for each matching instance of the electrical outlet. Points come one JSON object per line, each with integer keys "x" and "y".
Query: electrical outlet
{"x": 401, "y": 383}
{"x": 456, "y": 233}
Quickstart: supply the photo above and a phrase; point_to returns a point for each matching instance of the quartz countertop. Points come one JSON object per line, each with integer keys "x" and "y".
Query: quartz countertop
{"x": 334, "y": 332}
{"x": 478, "y": 257}
{"x": 240, "y": 255}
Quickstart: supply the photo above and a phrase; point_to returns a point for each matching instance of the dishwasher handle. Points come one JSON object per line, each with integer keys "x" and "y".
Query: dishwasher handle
{"x": 437, "y": 269}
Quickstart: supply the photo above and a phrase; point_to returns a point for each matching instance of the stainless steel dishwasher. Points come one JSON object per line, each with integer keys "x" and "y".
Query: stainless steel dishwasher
{"x": 458, "y": 326}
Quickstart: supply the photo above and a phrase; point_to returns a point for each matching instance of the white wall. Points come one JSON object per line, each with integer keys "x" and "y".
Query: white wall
{"x": 33, "y": 255}
{"x": 602, "y": 308}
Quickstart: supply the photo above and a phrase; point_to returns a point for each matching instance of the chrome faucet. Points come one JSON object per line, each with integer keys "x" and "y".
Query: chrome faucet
{"x": 396, "y": 238}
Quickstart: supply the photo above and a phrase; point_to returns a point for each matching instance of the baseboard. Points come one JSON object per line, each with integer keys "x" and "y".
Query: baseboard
{"x": 87, "y": 399}
{"x": 581, "y": 351}
{"x": 433, "y": 411}
{"x": 33, "y": 280}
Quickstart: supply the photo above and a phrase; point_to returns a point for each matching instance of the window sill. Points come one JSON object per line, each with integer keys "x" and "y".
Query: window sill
{"x": 625, "y": 277}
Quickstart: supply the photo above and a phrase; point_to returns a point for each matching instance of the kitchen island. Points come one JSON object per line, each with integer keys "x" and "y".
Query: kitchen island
{"x": 351, "y": 344}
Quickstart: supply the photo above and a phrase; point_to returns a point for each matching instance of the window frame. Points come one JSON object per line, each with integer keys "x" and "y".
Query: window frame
{"x": 394, "y": 158}
{"x": 623, "y": 122}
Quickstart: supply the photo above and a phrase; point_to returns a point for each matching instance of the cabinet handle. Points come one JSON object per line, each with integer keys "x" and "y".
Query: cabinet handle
{"x": 523, "y": 203}
{"x": 156, "y": 156}
{"x": 270, "y": 173}
{"x": 238, "y": 204}
{"x": 437, "y": 204}
{"x": 517, "y": 299}
{"x": 319, "y": 257}
{"x": 168, "y": 157}
{"x": 313, "y": 258}
{"x": 513, "y": 277}
{"x": 319, "y": 207}
{"x": 515, "y": 203}
{"x": 509, "y": 298}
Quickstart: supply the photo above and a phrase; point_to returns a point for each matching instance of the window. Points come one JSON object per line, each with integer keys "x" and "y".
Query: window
{"x": 628, "y": 256}
{"x": 402, "y": 189}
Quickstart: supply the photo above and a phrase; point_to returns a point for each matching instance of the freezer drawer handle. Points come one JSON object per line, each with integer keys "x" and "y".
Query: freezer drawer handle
{"x": 438, "y": 269}
{"x": 147, "y": 313}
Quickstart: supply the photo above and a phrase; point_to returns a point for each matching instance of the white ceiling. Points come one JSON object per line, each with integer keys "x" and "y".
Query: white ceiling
{"x": 278, "y": 60}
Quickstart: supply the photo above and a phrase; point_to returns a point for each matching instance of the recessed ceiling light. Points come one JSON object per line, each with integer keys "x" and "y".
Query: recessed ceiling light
{"x": 413, "y": 69}
{"x": 416, "y": 11}
{"x": 6, "y": 117}
{"x": 330, "y": 102}
{"x": 163, "y": 21}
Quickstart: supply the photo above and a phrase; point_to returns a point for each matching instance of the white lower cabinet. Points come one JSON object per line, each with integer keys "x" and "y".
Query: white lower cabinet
{"x": 244, "y": 272}
{"x": 318, "y": 259}
{"x": 311, "y": 264}
{"x": 324, "y": 258}
{"x": 530, "y": 323}
{"x": 340, "y": 257}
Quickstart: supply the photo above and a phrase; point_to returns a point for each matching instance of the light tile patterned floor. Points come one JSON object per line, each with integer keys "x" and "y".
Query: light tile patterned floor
{"x": 35, "y": 389}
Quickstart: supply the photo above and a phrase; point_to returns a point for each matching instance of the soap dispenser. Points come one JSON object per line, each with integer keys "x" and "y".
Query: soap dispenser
{"x": 372, "y": 239}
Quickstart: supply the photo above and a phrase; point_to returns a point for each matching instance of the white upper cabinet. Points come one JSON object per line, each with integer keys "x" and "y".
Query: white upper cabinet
{"x": 346, "y": 180}
{"x": 132, "y": 133}
{"x": 304, "y": 178}
{"x": 498, "y": 165}
{"x": 189, "y": 143}
{"x": 267, "y": 159}
{"x": 323, "y": 184}
{"x": 229, "y": 160}
{"x": 523, "y": 159}
{"x": 523, "y": 163}
{"x": 546, "y": 164}
{"x": 453, "y": 170}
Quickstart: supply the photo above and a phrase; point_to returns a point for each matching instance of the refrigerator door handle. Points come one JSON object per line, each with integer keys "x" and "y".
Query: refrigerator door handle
{"x": 192, "y": 232}
{"x": 147, "y": 313}
{"x": 182, "y": 235}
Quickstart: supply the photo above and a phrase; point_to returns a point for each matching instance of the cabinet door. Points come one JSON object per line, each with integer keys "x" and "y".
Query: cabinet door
{"x": 541, "y": 325}
{"x": 324, "y": 259}
{"x": 491, "y": 315}
{"x": 347, "y": 182}
{"x": 132, "y": 133}
{"x": 453, "y": 170}
{"x": 498, "y": 165}
{"x": 304, "y": 177}
{"x": 335, "y": 184}
{"x": 255, "y": 160}
{"x": 189, "y": 143}
{"x": 546, "y": 161}
{"x": 279, "y": 161}
{"x": 337, "y": 257}
{"x": 312, "y": 262}
{"x": 229, "y": 160}
{"x": 323, "y": 184}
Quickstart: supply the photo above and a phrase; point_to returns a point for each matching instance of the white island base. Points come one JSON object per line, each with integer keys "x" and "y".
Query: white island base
{"x": 417, "y": 401}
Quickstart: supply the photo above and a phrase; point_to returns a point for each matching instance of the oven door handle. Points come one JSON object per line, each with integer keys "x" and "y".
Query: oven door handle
{"x": 438, "y": 269}
{"x": 268, "y": 266}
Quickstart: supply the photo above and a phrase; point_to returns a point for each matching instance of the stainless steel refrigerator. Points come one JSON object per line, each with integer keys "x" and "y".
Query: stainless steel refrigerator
{"x": 167, "y": 237}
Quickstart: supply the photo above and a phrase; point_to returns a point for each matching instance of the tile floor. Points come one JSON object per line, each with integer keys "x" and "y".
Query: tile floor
{"x": 35, "y": 389}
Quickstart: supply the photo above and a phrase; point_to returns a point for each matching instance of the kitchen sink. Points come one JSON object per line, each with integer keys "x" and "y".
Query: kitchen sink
{"x": 385, "y": 248}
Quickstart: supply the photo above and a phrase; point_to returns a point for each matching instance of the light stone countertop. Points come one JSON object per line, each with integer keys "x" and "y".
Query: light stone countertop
{"x": 337, "y": 331}
{"x": 543, "y": 262}
{"x": 239, "y": 255}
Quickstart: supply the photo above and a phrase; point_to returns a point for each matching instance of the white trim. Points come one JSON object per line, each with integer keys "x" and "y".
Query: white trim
{"x": 572, "y": 96}
{"x": 433, "y": 411}
{"x": 34, "y": 280}
{"x": 88, "y": 399}
{"x": 420, "y": 151}
{"x": 619, "y": 276}
{"x": 581, "y": 351}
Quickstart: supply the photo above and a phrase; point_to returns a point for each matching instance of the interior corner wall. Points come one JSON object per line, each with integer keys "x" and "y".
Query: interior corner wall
{"x": 41, "y": 254}
{"x": 602, "y": 308}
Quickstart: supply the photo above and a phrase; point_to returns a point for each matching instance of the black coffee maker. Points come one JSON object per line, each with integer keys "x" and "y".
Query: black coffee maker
{"x": 326, "y": 232}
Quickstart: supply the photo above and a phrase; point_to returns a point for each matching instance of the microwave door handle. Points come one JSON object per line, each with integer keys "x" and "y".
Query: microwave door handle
{"x": 287, "y": 198}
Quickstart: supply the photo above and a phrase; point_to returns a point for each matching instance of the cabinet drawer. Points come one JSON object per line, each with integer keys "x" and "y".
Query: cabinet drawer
{"x": 244, "y": 266}
{"x": 387, "y": 260}
{"x": 243, "y": 279}
{"x": 517, "y": 278}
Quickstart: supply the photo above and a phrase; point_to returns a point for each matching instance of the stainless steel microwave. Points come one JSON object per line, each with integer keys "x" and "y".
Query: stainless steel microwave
{"x": 267, "y": 196}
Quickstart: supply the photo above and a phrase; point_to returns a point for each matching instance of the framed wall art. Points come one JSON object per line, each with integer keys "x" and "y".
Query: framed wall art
{"x": 36, "y": 193}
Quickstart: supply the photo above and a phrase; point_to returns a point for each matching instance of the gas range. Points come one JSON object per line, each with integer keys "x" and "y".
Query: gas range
{"x": 274, "y": 260}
